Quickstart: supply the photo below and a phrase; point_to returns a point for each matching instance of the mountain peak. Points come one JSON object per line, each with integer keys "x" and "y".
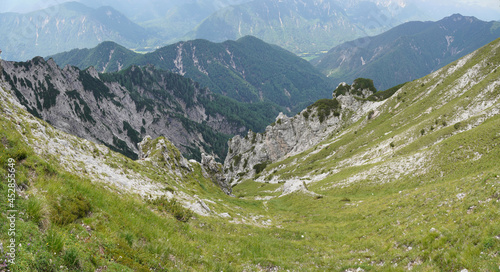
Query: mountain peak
{"x": 458, "y": 17}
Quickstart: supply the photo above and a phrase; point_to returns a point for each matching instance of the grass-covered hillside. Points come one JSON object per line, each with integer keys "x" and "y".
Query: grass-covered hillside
{"x": 415, "y": 186}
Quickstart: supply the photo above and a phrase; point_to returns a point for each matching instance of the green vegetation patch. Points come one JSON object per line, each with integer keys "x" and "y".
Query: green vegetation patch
{"x": 172, "y": 207}
{"x": 383, "y": 95}
{"x": 86, "y": 114}
{"x": 133, "y": 134}
{"x": 325, "y": 107}
{"x": 68, "y": 208}
{"x": 95, "y": 86}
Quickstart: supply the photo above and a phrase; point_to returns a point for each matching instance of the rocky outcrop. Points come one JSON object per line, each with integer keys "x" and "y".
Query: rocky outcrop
{"x": 288, "y": 136}
{"x": 214, "y": 170}
{"x": 164, "y": 154}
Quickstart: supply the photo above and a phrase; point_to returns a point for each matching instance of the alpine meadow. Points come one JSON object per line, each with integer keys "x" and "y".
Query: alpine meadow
{"x": 250, "y": 135}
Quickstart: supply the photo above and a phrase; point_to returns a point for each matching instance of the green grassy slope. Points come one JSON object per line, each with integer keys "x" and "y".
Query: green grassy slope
{"x": 418, "y": 185}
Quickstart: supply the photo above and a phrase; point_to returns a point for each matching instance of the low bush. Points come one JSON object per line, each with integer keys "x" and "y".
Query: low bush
{"x": 69, "y": 208}
{"x": 260, "y": 167}
{"x": 172, "y": 207}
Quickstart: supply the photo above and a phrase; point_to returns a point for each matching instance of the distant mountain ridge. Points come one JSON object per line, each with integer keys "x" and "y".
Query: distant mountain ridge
{"x": 105, "y": 57}
{"x": 248, "y": 70}
{"x": 408, "y": 51}
{"x": 302, "y": 26}
{"x": 64, "y": 27}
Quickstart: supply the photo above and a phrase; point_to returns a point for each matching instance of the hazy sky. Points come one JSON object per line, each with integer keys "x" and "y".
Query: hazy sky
{"x": 482, "y": 9}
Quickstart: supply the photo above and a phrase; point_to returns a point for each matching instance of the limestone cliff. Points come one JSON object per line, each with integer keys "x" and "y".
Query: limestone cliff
{"x": 288, "y": 136}
{"x": 118, "y": 110}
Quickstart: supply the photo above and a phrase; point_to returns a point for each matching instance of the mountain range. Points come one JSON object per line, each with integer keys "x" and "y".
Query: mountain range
{"x": 120, "y": 109}
{"x": 64, "y": 27}
{"x": 298, "y": 26}
{"x": 404, "y": 53}
{"x": 409, "y": 181}
{"x": 303, "y": 27}
{"x": 408, "y": 51}
{"x": 248, "y": 70}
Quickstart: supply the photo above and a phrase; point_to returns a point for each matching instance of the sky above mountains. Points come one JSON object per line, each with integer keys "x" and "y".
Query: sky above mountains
{"x": 435, "y": 9}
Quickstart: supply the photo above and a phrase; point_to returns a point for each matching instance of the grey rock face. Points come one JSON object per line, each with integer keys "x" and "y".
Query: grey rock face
{"x": 105, "y": 111}
{"x": 214, "y": 170}
{"x": 289, "y": 136}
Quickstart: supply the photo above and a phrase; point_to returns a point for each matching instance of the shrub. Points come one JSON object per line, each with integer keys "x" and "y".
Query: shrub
{"x": 422, "y": 132}
{"x": 371, "y": 113}
{"x": 260, "y": 167}
{"x": 362, "y": 84}
{"x": 237, "y": 160}
{"x": 342, "y": 89}
{"x": 172, "y": 207}
{"x": 69, "y": 208}
{"x": 382, "y": 95}
{"x": 325, "y": 107}
{"x": 457, "y": 125}
{"x": 169, "y": 189}
{"x": 37, "y": 212}
{"x": 306, "y": 114}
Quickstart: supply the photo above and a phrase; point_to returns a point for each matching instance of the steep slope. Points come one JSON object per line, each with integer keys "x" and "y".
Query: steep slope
{"x": 415, "y": 120}
{"x": 289, "y": 136}
{"x": 64, "y": 27}
{"x": 248, "y": 70}
{"x": 120, "y": 109}
{"x": 173, "y": 19}
{"x": 81, "y": 206}
{"x": 421, "y": 172}
{"x": 300, "y": 26}
{"x": 408, "y": 51}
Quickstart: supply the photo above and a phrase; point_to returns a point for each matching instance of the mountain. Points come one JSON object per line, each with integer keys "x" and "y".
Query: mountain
{"x": 64, "y": 27}
{"x": 248, "y": 70}
{"x": 413, "y": 184}
{"x": 120, "y": 109}
{"x": 173, "y": 19}
{"x": 301, "y": 26}
{"x": 408, "y": 51}
{"x": 106, "y": 56}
